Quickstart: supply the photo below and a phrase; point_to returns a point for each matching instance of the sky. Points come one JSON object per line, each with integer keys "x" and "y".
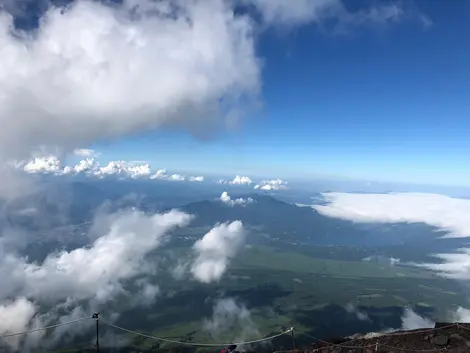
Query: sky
{"x": 384, "y": 102}
{"x": 372, "y": 90}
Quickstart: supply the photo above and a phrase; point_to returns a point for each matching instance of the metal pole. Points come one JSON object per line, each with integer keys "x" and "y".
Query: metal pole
{"x": 293, "y": 340}
{"x": 95, "y": 316}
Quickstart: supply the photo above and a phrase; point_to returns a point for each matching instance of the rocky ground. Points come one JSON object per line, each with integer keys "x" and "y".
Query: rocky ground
{"x": 443, "y": 338}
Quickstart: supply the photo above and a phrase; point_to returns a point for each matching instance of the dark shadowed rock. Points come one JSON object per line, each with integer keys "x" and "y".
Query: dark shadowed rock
{"x": 441, "y": 340}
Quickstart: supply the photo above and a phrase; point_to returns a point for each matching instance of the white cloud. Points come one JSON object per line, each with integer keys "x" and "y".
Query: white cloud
{"x": 49, "y": 164}
{"x": 455, "y": 266}
{"x": 16, "y": 316}
{"x": 350, "y": 308}
{"x": 391, "y": 261}
{"x": 443, "y": 212}
{"x": 91, "y": 167}
{"x": 123, "y": 169}
{"x": 461, "y": 315}
{"x": 85, "y": 152}
{"x": 215, "y": 250}
{"x": 177, "y": 177}
{"x": 319, "y": 11}
{"x": 241, "y": 180}
{"x": 225, "y": 198}
{"x": 69, "y": 85}
{"x": 230, "y": 316}
{"x": 269, "y": 185}
{"x": 238, "y": 180}
{"x": 95, "y": 274}
{"x": 146, "y": 293}
{"x": 412, "y": 321}
{"x": 113, "y": 257}
{"x": 196, "y": 178}
{"x": 159, "y": 174}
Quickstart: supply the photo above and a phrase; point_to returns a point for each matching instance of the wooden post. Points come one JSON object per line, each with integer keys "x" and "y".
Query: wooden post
{"x": 95, "y": 316}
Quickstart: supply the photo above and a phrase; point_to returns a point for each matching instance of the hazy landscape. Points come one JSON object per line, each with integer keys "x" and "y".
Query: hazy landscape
{"x": 183, "y": 175}
{"x": 293, "y": 266}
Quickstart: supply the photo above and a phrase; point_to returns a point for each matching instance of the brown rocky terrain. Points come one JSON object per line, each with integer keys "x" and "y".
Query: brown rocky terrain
{"x": 444, "y": 337}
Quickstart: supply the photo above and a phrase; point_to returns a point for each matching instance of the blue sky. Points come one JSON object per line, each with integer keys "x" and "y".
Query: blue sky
{"x": 378, "y": 103}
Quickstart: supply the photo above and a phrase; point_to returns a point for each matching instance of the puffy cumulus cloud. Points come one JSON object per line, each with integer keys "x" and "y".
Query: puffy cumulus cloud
{"x": 162, "y": 174}
{"x": 229, "y": 316}
{"x": 238, "y": 180}
{"x": 269, "y": 185}
{"x": 199, "y": 178}
{"x": 443, "y": 212}
{"x": 215, "y": 250}
{"x": 49, "y": 164}
{"x": 94, "y": 71}
{"x": 86, "y": 166}
{"x": 225, "y": 198}
{"x": 412, "y": 321}
{"x": 92, "y": 167}
{"x": 461, "y": 315}
{"x": 124, "y": 169}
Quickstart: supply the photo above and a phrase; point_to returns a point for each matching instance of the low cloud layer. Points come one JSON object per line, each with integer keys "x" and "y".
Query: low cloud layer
{"x": 215, "y": 250}
{"x": 443, "y": 212}
{"x": 452, "y": 265}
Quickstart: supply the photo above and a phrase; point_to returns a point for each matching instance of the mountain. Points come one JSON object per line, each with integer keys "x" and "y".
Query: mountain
{"x": 289, "y": 222}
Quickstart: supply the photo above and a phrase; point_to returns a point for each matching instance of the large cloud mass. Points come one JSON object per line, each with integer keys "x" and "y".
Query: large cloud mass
{"x": 94, "y": 71}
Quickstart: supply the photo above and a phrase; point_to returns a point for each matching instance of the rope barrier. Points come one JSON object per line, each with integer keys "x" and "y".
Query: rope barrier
{"x": 343, "y": 345}
{"x": 290, "y": 330}
{"x": 196, "y": 344}
{"x": 44, "y": 328}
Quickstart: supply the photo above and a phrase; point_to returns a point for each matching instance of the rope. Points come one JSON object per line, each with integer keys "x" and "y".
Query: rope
{"x": 337, "y": 344}
{"x": 44, "y": 328}
{"x": 196, "y": 344}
